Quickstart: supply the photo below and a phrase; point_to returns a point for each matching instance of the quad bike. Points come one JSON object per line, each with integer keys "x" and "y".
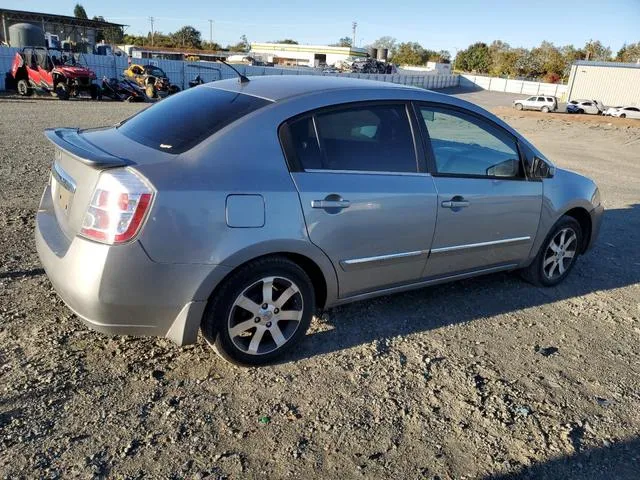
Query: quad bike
{"x": 153, "y": 79}
{"x": 122, "y": 90}
{"x": 53, "y": 71}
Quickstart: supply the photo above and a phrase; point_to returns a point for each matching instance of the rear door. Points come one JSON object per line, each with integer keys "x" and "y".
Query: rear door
{"x": 368, "y": 203}
{"x": 488, "y": 212}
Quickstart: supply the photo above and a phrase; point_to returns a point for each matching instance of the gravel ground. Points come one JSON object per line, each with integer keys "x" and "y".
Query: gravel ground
{"x": 484, "y": 378}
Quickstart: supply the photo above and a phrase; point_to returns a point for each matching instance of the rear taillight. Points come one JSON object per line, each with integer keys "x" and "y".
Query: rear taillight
{"x": 118, "y": 207}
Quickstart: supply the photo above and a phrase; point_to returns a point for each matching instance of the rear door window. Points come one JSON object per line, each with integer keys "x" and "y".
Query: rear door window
{"x": 181, "y": 121}
{"x": 359, "y": 138}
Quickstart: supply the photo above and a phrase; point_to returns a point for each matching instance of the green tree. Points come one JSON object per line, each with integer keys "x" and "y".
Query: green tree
{"x": 187, "y": 37}
{"x": 287, "y": 41}
{"x": 387, "y": 42}
{"x": 530, "y": 65}
{"x": 242, "y": 46}
{"x": 476, "y": 58}
{"x": 79, "y": 12}
{"x": 629, "y": 53}
{"x": 110, "y": 35}
{"x": 444, "y": 56}
{"x": 211, "y": 46}
{"x": 409, "y": 53}
{"x": 596, "y": 51}
{"x": 343, "y": 42}
{"x": 550, "y": 58}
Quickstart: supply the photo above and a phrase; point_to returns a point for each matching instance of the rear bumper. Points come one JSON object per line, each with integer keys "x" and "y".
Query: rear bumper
{"x": 119, "y": 290}
{"x": 597, "y": 215}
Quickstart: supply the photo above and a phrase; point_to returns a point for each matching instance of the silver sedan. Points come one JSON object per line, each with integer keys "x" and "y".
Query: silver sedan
{"x": 242, "y": 208}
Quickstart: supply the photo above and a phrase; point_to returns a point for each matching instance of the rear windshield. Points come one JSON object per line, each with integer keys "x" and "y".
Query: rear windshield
{"x": 181, "y": 121}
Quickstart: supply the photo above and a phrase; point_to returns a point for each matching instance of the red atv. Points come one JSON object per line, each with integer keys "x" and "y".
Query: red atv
{"x": 53, "y": 71}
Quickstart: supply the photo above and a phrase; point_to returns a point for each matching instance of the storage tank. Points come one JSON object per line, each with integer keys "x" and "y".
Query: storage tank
{"x": 26, "y": 35}
{"x": 383, "y": 53}
{"x": 373, "y": 52}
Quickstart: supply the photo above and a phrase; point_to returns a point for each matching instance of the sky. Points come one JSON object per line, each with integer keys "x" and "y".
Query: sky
{"x": 444, "y": 25}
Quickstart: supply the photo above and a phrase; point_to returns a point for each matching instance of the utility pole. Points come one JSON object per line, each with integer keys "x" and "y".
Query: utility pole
{"x": 211, "y": 33}
{"x": 353, "y": 42}
{"x": 151, "y": 19}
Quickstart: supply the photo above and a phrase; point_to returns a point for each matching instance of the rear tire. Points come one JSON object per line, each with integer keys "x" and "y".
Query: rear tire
{"x": 580, "y": 111}
{"x": 545, "y": 109}
{"x": 260, "y": 311}
{"x": 23, "y": 88}
{"x": 94, "y": 91}
{"x": 623, "y": 115}
{"x": 519, "y": 106}
{"x": 557, "y": 255}
{"x": 62, "y": 91}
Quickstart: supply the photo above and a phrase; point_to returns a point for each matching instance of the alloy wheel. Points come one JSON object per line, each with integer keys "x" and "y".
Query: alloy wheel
{"x": 560, "y": 253}
{"x": 265, "y": 315}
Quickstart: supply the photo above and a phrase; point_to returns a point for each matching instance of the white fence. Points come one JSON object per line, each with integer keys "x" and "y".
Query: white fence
{"x": 180, "y": 73}
{"x": 497, "y": 84}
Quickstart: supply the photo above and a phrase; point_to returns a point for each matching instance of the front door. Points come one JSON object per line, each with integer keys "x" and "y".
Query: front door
{"x": 488, "y": 212}
{"x": 366, "y": 203}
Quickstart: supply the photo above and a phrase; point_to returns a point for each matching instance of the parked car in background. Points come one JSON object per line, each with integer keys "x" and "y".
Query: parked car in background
{"x": 538, "y": 102}
{"x": 627, "y": 112}
{"x": 264, "y": 201}
{"x": 592, "y": 107}
{"x": 609, "y": 111}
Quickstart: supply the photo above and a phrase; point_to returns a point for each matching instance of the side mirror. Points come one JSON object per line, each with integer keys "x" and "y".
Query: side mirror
{"x": 541, "y": 169}
{"x": 507, "y": 168}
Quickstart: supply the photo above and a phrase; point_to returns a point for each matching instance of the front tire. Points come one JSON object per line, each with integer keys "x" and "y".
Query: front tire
{"x": 557, "y": 255}
{"x": 623, "y": 115}
{"x": 519, "y": 106}
{"x": 150, "y": 91}
{"x": 260, "y": 311}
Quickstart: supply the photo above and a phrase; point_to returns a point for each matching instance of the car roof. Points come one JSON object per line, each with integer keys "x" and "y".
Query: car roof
{"x": 280, "y": 87}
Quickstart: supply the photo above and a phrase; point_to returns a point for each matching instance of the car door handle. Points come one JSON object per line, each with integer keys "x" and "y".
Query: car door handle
{"x": 330, "y": 203}
{"x": 455, "y": 203}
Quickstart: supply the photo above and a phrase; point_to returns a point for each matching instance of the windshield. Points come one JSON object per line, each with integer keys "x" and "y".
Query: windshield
{"x": 183, "y": 120}
{"x": 62, "y": 58}
{"x": 156, "y": 72}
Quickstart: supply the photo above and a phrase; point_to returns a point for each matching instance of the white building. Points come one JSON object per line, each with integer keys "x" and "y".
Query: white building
{"x": 307, "y": 55}
{"x": 612, "y": 83}
{"x": 431, "y": 67}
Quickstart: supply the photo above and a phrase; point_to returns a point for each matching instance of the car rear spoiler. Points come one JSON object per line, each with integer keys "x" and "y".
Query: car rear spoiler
{"x": 71, "y": 141}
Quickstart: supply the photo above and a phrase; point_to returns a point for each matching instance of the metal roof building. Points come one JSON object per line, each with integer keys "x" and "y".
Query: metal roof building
{"x": 612, "y": 83}
{"x": 66, "y": 27}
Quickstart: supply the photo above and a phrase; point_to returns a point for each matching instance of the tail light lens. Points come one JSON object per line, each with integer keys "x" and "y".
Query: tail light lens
{"x": 118, "y": 208}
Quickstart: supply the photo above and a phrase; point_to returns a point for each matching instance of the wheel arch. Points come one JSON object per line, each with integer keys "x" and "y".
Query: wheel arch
{"x": 584, "y": 219}
{"x": 312, "y": 260}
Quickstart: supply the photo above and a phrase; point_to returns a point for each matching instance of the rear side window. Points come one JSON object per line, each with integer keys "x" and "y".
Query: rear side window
{"x": 181, "y": 121}
{"x": 362, "y": 138}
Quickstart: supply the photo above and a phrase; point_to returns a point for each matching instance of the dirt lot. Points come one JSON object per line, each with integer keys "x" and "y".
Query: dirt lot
{"x": 485, "y": 378}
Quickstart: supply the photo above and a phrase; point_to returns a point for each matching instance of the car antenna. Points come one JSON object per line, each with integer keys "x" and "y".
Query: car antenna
{"x": 242, "y": 78}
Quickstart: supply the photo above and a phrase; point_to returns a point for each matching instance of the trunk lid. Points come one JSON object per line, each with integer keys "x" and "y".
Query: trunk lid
{"x": 76, "y": 167}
